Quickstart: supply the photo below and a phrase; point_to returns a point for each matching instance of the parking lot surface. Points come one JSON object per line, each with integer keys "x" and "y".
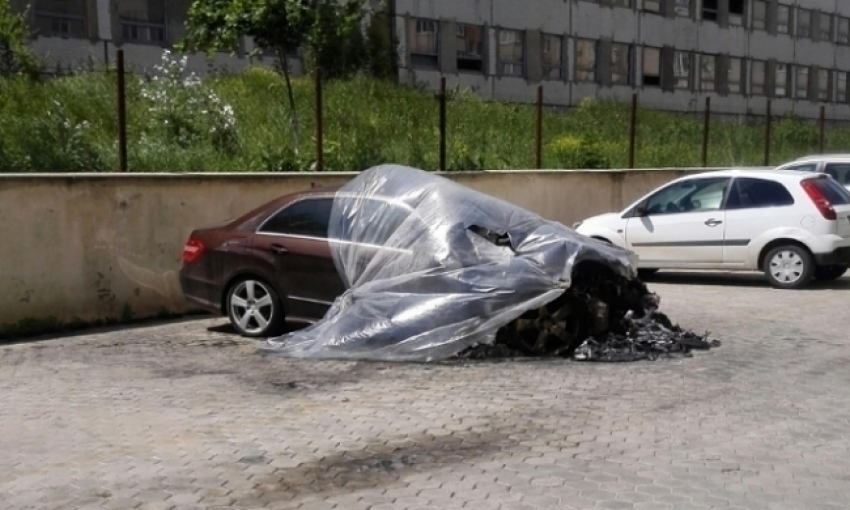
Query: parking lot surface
{"x": 186, "y": 415}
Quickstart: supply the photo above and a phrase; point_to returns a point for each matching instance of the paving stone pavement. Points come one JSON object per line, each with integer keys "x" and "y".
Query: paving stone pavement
{"x": 186, "y": 415}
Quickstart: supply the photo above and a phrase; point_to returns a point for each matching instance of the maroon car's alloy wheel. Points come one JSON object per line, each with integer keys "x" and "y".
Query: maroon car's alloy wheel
{"x": 253, "y": 307}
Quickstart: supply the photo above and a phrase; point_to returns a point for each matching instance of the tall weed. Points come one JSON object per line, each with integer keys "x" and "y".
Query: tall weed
{"x": 180, "y": 123}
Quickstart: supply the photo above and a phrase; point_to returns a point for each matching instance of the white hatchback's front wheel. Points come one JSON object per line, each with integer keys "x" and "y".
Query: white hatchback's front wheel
{"x": 789, "y": 267}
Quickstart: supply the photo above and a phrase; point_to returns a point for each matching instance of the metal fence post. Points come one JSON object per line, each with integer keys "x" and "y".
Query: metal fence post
{"x": 767, "y": 134}
{"x": 822, "y": 128}
{"x": 320, "y": 151}
{"x": 705, "y": 129}
{"x": 443, "y": 124}
{"x": 538, "y": 146}
{"x": 633, "y": 130}
{"x": 122, "y": 114}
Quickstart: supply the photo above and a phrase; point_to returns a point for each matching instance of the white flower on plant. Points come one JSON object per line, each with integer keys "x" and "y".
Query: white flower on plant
{"x": 180, "y": 100}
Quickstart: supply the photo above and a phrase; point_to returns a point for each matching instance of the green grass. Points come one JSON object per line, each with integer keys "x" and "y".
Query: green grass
{"x": 69, "y": 125}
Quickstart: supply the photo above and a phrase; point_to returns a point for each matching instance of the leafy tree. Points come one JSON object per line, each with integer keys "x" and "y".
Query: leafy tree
{"x": 279, "y": 26}
{"x": 15, "y": 57}
{"x": 336, "y": 43}
{"x": 383, "y": 53}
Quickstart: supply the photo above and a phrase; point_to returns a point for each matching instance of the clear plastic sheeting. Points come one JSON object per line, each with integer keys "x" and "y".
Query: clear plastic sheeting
{"x": 433, "y": 268}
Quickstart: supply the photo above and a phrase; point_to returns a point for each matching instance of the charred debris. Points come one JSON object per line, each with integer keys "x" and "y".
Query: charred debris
{"x": 602, "y": 317}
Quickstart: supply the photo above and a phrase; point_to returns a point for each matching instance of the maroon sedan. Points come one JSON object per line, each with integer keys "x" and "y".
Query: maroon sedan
{"x": 271, "y": 264}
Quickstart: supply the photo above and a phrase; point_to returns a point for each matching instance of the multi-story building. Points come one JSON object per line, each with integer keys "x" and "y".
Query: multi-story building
{"x": 674, "y": 53}
{"x": 74, "y": 33}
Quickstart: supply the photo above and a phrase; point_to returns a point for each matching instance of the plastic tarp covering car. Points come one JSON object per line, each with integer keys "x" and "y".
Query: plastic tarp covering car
{"x": 433, "y": 268}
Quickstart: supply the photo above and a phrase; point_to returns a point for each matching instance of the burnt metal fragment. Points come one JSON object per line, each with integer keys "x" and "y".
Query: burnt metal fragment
{"x": 601, "y": 318}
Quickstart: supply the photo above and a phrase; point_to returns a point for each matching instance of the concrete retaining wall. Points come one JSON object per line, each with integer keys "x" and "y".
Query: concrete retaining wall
{"x": 107, "y": 246}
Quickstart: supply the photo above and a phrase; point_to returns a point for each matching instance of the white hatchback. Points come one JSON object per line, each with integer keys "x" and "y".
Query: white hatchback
{"x": 792, "y": 225}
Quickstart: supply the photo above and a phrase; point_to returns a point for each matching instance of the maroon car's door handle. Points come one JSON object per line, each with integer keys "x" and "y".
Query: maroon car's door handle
{"x": 278, "y": 248}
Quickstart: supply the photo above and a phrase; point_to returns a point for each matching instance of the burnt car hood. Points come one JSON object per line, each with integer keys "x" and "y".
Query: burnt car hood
{"x": 433, "y": 268}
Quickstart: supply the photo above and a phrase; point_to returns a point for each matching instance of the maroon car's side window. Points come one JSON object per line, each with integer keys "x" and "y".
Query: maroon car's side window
{"x": 308, "y": 217}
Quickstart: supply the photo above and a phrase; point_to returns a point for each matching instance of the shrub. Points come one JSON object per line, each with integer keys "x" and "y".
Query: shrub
{"x": 576, "y": 153}
{"x": 184, "y": 109}
{"x": 15, "y": 58}
{"x": 792, "y": 130}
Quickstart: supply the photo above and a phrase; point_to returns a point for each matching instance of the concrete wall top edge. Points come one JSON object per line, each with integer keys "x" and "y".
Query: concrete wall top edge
{"x": 313, "y": 175}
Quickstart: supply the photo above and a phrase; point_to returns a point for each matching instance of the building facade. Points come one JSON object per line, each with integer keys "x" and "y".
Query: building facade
{"x": 673, "y": 53}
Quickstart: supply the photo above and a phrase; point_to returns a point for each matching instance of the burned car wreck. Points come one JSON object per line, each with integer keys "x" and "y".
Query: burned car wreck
{"x": 434, "y": 270}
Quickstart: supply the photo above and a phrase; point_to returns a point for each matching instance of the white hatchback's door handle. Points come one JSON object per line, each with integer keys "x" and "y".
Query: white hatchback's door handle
{"x": 712, "y": 222}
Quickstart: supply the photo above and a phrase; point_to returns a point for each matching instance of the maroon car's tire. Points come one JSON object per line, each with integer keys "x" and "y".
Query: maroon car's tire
{"x": 254, "y": 308}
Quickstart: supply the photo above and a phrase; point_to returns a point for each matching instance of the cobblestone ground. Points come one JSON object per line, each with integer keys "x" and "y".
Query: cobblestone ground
{"x": 186, "y": 415}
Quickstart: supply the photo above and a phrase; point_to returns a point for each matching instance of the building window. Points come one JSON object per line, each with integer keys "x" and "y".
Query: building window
{"x": 757, "y": 75}
{"x": 422, "y": 38}
{"x": 651, "y": 67}
{"x": 652, "y": 6}
{"x": 843, "y": 29}
{"x": 783, "y": 78}
{"x": 734, "y": 76}
{"x": 142, "y": 21}
{"x": 783, "y": 19}
{"x": 801, "y": 82}
{"x": 683, "y": 8}
{"x": 552, "y": 54}
{"x": 470, "y": 48}
{"x": 511, "y": 53}
{"x": 682, "y": 69}
{"x": 706, "y": 74}
{"x": 620, "y": 64}
{"x": 622, "y": 3}
{"x": 804, "y": 23}
{"x": 709, "y": 10}
{"x": 823, "y": 84}
{"x": 736, "y": 12}
{"x": 841, "y": 87}
{"x": 825, "y": 27}
{"x": 61, "y": 17}
{"x": 759, "y": 21}
{"x": 585, "y": 60}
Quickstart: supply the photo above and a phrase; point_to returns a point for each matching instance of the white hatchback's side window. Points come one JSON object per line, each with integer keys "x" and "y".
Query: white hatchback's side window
{"x": 750, "y": 193}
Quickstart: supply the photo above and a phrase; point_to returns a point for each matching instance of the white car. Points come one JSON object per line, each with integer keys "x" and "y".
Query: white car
{"x": 792, "y": 225}
{"x": 836, "y": 166}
